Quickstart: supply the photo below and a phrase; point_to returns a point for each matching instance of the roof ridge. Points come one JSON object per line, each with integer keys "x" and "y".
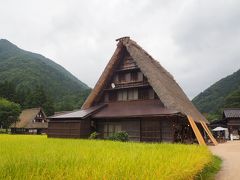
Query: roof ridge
{"x": 154, "y": 61}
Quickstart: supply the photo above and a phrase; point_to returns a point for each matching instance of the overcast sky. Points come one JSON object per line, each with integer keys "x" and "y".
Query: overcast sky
{"x": 196, "y": 41}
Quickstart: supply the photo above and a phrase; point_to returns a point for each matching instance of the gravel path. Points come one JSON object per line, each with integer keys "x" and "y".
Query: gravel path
{"x": 229, "y": 152}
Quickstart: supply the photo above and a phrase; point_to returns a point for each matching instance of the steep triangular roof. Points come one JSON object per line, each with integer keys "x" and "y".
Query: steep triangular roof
{"x": 163, "y": 83}
{"x": 26, "y": 119}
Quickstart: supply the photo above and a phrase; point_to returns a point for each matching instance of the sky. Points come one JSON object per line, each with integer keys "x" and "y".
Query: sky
{"x": 197, "y": 41}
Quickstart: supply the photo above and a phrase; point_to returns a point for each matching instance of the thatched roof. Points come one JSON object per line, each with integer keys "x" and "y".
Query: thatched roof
{"x": 26, "y": 119}
{"x": 163, "y": 83}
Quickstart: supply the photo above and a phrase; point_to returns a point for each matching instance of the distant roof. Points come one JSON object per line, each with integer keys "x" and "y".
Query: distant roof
{"x": 163, "y": 83}
{"x": 78, "y": 114}
{"x": 134, "y": 109}
{"x": 57, "y": 113}
{"x": 232, "y": 113}
{"x": 26, "y": 119}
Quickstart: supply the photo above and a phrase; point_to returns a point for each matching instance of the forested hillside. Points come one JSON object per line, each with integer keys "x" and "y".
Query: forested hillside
{"x": 223, "y": 94}
{"x": 30, "y": 73}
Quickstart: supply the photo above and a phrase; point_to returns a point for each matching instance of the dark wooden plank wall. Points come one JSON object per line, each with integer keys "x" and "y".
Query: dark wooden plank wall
{"x": 233, "y": 122}
{"x": 143, "y": 129}
{"x": 167, "y": 130}
{"x": 157, "y": 130}
{"x": 151, "y": 130}
{"x": 131, "y": 126}
{"x": 69, "y": 129}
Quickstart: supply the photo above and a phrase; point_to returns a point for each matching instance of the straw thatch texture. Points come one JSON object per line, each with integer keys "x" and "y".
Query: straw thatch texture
{"x": 26, "y": 119}
{"x": 163, "y": 83}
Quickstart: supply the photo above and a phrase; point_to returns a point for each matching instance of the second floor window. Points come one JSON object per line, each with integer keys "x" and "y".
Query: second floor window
{"x": 112, "y": 96}
{"x": 121, "y": 77}
{"x": 134, "y": 76}
{"x": 143, "y": 94}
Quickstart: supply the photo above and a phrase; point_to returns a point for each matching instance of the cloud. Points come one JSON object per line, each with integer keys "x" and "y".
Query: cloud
{"x": 208, "y": 38}
{"x": 197, "y": 41}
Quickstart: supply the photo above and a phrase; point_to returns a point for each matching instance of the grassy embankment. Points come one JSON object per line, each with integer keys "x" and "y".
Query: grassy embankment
{"x": 37, "y": 157}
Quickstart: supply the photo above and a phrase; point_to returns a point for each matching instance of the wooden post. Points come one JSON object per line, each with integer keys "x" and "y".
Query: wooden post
{"x": 196, "y": 131}
{"x": 204, "y": 125}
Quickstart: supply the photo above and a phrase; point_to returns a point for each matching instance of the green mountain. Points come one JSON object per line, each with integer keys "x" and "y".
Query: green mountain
{"x": 223, "y": 94}
{"x": 27, "y": 70}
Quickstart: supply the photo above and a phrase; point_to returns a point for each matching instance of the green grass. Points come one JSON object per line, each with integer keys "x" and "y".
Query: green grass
{"x": 37, "y": 157}
{"x": 211, "y": 169}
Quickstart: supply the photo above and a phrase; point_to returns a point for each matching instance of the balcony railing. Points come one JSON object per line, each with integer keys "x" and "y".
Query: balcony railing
{"x": 122, "y": 85}
{"x": 129, "y": 67}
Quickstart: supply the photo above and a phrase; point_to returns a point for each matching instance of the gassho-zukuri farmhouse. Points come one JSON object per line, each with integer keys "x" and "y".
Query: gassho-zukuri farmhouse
{"x": 137, "y": 95}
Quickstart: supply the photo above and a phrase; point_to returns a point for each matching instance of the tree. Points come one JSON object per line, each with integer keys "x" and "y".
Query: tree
{"x": 7, "y": 90}
{"x": 38, "y": 98}
{"x": 48, "y": 107}
{"x": 9, "y": 112}
{"x": 233, "y": 100}
{"x": 21, "y": 97}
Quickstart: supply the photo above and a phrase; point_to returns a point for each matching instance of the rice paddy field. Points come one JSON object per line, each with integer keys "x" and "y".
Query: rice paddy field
{"x": 39, "y": 157}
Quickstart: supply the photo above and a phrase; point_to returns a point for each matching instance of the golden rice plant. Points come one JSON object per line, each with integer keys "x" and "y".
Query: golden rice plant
{"x": 38, "y": 157}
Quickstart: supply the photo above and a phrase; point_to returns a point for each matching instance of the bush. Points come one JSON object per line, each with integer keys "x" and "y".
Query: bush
{"x": 94, "y": 135}
{"x": 119, "y": 136}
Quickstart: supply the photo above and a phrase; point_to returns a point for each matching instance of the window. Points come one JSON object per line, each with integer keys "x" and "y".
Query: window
{"x": 143, "y": 93}
{"x": 122, "y": 95}
{"x": 111, "y": 128}
{"x": 121, "y": 77}
{"x": 106, "y": 97}
{"x": 112, "y": 96}
{"x": 151, "y": 94}
{"x": 133, "y": 94}
{"x": 119, "y": 95}
{"x": 130, "y": 94}
{"x": 145, "y": 79}
{"x": 140, "y": 76}
{"x": 134, "y": 76}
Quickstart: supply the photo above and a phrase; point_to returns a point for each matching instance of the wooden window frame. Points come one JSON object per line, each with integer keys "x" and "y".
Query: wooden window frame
{"x": 134, "y": 76}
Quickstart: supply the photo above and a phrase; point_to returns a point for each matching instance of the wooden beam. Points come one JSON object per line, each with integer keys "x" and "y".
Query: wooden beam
{"x": 204, "y": 125}
{"x": 196, "y": 131}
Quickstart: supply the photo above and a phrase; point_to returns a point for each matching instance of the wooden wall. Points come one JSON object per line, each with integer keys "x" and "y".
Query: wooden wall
{"x": 69, "y": 129}
{"x": 141, "y": 129}
{"x": 131, "y": 126}
{"x": 233, "y": 122}
{"x": 157, "y": 130}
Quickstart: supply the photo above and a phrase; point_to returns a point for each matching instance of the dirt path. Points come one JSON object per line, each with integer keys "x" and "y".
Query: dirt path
{"x": 230, "y": 154}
